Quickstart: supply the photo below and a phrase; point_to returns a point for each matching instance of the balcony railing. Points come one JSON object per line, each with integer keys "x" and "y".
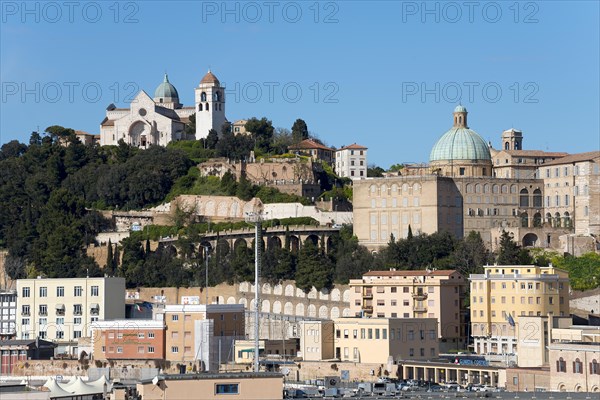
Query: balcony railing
{"x": 419, "y": 296}
{"x": 368, "y": 295}
{"x": 419, "y": 308}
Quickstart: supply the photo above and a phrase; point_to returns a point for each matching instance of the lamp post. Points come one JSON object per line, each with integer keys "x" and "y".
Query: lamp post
{"x": 206, "y": 257}
{"x": 256, "y": 218}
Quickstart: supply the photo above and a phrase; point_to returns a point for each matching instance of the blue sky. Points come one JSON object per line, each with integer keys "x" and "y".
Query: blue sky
{"x": 384, "y": 74}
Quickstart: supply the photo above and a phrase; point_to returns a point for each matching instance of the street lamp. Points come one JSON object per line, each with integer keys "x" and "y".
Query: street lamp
{"x": 206, "y": 258}
{"x": 256, "y": 218}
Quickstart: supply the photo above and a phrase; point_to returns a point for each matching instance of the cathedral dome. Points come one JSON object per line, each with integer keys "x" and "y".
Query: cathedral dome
{"x": 460, "y": 142}
{"x": 166, "y": 90}
{"x": 210, "y": 78}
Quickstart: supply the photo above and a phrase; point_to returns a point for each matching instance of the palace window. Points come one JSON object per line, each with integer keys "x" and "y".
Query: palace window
{"x": 561, "y": 365}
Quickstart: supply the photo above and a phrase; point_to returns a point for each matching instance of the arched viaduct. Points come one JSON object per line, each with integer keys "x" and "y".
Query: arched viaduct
{"x": 271, "y": 236}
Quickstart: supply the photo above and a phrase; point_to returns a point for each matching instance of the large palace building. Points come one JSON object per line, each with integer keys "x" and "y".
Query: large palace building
{"x": 544, "y": 199}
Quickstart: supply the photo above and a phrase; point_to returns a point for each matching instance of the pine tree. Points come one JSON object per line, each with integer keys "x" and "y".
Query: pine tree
{"x": 109, "y": 268}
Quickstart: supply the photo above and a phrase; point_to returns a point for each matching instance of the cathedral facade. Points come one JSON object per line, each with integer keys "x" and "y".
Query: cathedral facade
{"x": 162, "y": 119}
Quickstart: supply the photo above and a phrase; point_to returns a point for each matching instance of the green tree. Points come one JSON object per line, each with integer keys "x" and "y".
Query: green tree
{"x": 212, "y": 139}
{"x": 299, "y": 131}
{"x": 314, "y": 268}
{"x": 373, "y": 171}
{"x": 510, "y": 253}
{"x": 471, "y": 254}
{"x": 262, "y": 133}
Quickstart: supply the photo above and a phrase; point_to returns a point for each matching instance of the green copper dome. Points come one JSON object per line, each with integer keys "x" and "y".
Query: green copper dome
{"x": 165, "y": 89}
{"x": 460, "y": 108}
{"x": 460, "y": 144}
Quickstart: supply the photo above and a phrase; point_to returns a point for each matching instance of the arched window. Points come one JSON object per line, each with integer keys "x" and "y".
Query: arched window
{"x": 561, "y": 365}
{"x": 557, "y": 220}
{"x": 469, "y": 188}
{"x": 549, "y": 218}
{"x": 504, "y": 189}
{"x": 506, "y": 146}
{"x": 495, "y": 188}
{"x": 460, "y": 119}
{"x": 524, "y": 220}
{"x": 577, "y": 366}
{"x": 594, "y": 368}
{"x": 524, "y": 198}
{"x": 537, "y": 220}
{"x": 199, "y": 107}
{"x": 203, "y": 96}
{"x": 486, "y": 188}
{"x": 567, "y": 219}
{"x": 477, "y": 188}
{"x": 217, "y": 96}
{"x": 537, "y": 198}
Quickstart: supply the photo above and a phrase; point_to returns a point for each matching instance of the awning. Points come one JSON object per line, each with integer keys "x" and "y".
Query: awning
{"x": 247, "y": 351}
{"x": 60, "y": 306}
{"x": 94, "y": 306}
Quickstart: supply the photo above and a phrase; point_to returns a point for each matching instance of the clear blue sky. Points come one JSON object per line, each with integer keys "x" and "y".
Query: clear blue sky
{"x": 388, "y": 73}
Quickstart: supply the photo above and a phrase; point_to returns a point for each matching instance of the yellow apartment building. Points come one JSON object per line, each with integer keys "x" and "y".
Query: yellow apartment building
{"x": 414, "y": 294}
{"x": 503, "y": 293}
{"x": 195, "y": 333}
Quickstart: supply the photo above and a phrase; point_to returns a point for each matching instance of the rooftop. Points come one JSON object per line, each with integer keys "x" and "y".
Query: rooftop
{"x": 441, "y": 272}
{"x": 573, "y": 158}
{"x": 309, "y": 144}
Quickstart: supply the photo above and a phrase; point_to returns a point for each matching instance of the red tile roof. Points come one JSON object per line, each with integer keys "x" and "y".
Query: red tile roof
{"x": 353, "y": 146}
{"x": 535, "y": 153}
{"x": 573, "y": 158}
{"x": 309, "y": 144}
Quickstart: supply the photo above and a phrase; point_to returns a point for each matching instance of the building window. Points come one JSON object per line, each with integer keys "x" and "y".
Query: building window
{"x": 577, "y": 366}
{"x": 77, "y": 291}
{"x": 150, "y": 349}
{"x": 411, "y": 352}
{"x": 561, "y": 365}
{"x": 60, "y": 335}
{"x": 95, "y": 291}
{"x": 175, "y": 317}
{"x": 25, "y": 292}
{"x": 25, "y": 310}
{"x": 77, "y": 309}
{"x": 594, "y": 368}
{"x": 174, "y": 349}
{"x": 119, "y": 349}
{"x": 405, "y": 289}
{"x": 43, "y": 309}
{"x": 227, "y": 388}
{"x": 150, "y": 335}
{"x": 60, "y": 291}
{"x": 77, "y": 320}
{"x": 76, "y": 334}
{"x": 43, "y": 291}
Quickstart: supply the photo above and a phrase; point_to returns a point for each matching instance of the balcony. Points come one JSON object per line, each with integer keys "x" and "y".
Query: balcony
{"x": 368, "y": 295}
{"x": 368, "y": 309}
{"x": 419, "y": 296}
{"x": 419, "y": 308}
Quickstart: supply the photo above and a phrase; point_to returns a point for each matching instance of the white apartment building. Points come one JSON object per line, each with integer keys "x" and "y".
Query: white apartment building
{"x": 351, "y": 161}
{"x": 62, "y": 310}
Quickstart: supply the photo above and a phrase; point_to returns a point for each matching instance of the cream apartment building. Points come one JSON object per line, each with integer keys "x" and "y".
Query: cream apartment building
{"x": 316, "y": 340}
{"x": 351, "y": 161}
{"x": 376, "y": 340}
{"x": 503, "y": 293}
{"x": 63, "y": 310}
{"x": 193, "y": 332}
{"x": 414, "y": 294}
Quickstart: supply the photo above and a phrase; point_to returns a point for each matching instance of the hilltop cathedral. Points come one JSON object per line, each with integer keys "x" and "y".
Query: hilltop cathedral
{"x": 162, "y": 119}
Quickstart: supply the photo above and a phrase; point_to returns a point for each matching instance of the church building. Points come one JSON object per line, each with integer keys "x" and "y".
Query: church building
{"x": 162, "y": 119}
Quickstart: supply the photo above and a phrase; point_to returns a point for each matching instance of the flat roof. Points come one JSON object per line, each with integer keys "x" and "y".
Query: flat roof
{"x": 207, "y": 376}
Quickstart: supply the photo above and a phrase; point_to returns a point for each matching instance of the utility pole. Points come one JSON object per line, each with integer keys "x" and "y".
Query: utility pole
{"x": 206, "y": 257}
{"x": 256, "y": 219}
